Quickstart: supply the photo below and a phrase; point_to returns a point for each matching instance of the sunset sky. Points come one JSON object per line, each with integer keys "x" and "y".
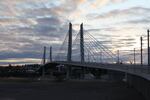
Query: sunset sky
{"x": 27, "y": 25}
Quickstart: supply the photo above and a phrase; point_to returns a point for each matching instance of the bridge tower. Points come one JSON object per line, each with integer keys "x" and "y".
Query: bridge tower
{"x": 81, "y": 43}
{"x": 44, "y": 61}
{"x": 44, "y": 56}
{"x": 69, "y": 55}
{"x": 148, "y": 48}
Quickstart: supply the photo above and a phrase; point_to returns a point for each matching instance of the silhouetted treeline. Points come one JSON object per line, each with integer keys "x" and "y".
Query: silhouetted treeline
{"x": 20, "y": 71}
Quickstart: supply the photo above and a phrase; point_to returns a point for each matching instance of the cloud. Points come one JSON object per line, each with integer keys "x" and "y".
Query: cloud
{"x": 27, "y": 25}
{"x": 101, "y": 3}
{"x": 117, "y": 1}
{"x": 130, "y": 12}
{"x": 23, "y": 35}
{"x": 138, "y": 21}
{"x": 20, "y": 61}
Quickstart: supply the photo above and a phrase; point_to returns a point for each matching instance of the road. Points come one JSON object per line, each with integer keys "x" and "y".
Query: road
{"x": 69, "y": 90}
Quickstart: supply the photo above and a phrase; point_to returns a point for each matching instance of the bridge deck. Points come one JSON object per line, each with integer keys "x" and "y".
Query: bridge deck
{"x": 142, "y": 71}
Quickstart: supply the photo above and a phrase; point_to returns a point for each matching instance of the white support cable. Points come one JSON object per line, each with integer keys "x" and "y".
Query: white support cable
{"x": 95, "y": 43}
{"x": 61, "y": 47}
{"x": 89, "y": 49}
{"x": 95, "y": 50}
{"x": 100, "y": 43}
{"x": 103, "y": 47}
{"x": 91, "y": 54}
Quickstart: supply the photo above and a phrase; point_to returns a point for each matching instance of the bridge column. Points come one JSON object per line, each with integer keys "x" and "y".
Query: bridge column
{"x": 81, "y": 43}
{"x": 44, "y": 56}
{"x": 69, "y": 55}
{"x": 67, "y": 73}
{"x": 69, "y": 43}
{"x": 82, "y": 72}
{"x": 44, "y": 61}
{"x": 148, "y": 48}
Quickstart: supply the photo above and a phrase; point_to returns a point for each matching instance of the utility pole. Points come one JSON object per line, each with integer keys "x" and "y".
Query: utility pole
{"x": 134, "y": 57}
{"x": 50, "y": 54}
{"x": 81, "y": 43}
{"x": 141, "y": 50}
{"x": 118, "y": 56}
{"x": 148, "y": 48}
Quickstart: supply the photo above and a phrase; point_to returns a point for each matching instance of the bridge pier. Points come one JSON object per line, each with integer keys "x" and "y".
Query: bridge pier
{"x": 83, "y": 72}
{"x": 68, "y": 72}
{"x": 115, "y": 75}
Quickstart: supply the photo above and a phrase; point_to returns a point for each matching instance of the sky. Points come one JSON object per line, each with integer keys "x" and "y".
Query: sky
{"x": 28, "y": 25}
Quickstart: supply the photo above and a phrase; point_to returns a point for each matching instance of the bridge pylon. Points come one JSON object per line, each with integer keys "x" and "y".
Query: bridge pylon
{"x": 81, "y": 43}
{"x": 148, "y": 48}
{"x": 44, "y": 56}
{"x": 69, "y": 55}
{"x": 44, "y": 61}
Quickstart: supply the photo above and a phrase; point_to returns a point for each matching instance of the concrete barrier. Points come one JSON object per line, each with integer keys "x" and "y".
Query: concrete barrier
{"x": 141, "y": 84}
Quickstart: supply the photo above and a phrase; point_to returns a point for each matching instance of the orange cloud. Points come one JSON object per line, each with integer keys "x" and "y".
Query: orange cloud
{"x": 99, "y": 3}
{"x": 81, "y": 1}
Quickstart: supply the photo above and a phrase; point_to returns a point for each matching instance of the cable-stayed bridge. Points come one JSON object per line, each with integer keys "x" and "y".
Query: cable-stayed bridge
{"x": 84, "y": 48}
{"x": 85, "y": 52}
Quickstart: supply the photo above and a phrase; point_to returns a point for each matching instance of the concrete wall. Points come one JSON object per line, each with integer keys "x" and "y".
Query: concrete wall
{"x": 141, "y": 84}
